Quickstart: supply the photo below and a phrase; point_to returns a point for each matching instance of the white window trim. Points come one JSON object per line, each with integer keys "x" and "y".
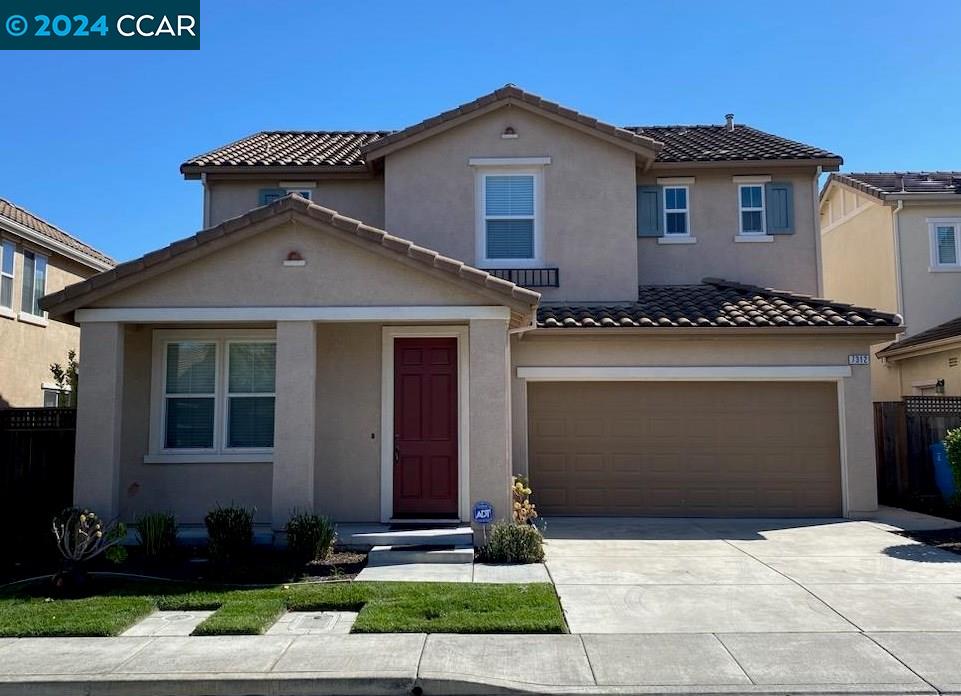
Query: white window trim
{"x": 30, "y": 317}
{"x": 933, "y": 225}
{"x": 4, "y": 310}
{"x": 675, "y": 181}
{"x": 157, "y": 453}
{"x": 686, "y": 234}
{"x": 297, "y": 185}
{"x": 389, "y": 333}
{"x": 751, "y": 178}
{"x": 508, "y": 161}
{"x": 480, "y": 209}
{"x": 741, "y": 210}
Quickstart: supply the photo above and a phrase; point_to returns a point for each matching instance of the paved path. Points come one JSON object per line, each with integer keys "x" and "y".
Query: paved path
{"x": 772, "y": 663}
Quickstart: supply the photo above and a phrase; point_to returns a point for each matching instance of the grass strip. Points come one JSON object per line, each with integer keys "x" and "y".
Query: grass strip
{"x": 384, "y": 608}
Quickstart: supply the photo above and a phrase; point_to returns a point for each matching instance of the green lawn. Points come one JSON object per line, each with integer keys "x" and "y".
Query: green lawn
{"x": 384, "y": 608}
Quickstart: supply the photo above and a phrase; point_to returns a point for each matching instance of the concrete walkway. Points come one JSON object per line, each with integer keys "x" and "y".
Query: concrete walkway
{"x": 695, "y": 663}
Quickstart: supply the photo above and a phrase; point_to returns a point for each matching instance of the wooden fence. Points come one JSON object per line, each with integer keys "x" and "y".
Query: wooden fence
{"x": 904, "y": 432}
{"x": 36, "y": 468}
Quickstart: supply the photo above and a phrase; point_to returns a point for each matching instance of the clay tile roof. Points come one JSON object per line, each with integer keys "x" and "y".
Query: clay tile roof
{"x": 292, "y": 203}
{"x": 714, "y": 143}
{"x": 24, "y": 217}
{"x": 879, "y": 184}
{"x": 949, "y": 329}
{"x": 673, "y": 143}
{"x": 715, "y": 303}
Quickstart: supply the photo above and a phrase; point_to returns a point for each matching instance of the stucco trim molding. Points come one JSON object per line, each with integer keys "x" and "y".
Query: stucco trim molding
{"x": 389, "y": 333}
{"x": 149, "y": 315}
{"x": 713, "y": 373}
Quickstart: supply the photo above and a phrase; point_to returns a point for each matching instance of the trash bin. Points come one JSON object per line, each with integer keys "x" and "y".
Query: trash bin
{"x": 943, "y": 476}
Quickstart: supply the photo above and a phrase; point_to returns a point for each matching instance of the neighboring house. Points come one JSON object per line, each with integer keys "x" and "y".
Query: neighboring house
{"x": 292, "y": 357}
{"x": 36, "y": 258}
{"x": 892, "y": 240}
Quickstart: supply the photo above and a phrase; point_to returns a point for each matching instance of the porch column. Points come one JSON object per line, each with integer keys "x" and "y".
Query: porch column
{"x": 295, "y": 420}
{"x": 490, "y": 434}
{"x": 96, "y": 483}
{"x": 859, "y": 468}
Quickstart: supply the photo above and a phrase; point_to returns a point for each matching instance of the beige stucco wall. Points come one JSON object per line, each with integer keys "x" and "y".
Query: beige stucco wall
{"x": 929, "y": 368}
{"x": 29, "y": 350}
{"x": 929, "y": 298}
{"x": 787, "y": 262}
{"x": 589, "y": 227}
{"x": 251, "y": 273}
{"x": 544, "y": 349}
{"x": 357, "y": 198}
{"x": 858, "y": 256}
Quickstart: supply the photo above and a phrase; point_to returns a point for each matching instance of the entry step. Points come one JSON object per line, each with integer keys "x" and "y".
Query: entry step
{"x": 399, "y": 555}
{"x": 452, "y": 536}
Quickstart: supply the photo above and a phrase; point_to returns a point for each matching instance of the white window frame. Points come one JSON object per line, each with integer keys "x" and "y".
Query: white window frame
{"x": 480, "y": 207}
{"x": 686, "y": 210}
{"x": 6, "y": 311}
{"x": 741, "y": 210}
{"x": 23, "y": 314}
{"x": 933, "y": 225}
{"x": 158, "y": 453}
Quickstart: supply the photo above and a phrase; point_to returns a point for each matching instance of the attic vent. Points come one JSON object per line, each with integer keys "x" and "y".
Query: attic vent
{"x": 952, "y": 362}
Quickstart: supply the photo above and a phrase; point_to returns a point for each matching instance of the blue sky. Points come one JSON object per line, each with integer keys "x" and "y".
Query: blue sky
{"x": 93, "y": 140}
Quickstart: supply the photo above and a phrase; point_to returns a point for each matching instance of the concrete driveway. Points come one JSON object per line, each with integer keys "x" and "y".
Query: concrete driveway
{"x": 749, "y": 576}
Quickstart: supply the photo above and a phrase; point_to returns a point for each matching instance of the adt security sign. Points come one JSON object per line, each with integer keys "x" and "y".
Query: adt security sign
{"x": 483, "y": 512}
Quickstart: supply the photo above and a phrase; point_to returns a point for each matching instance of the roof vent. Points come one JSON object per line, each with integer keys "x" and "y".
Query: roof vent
{"x": 729, "y": 121}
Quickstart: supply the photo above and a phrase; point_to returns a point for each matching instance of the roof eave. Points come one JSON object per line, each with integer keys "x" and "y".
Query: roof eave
{"x": 920, "y": 196}
{"x": 826, "y": 164}
{"x": 736, "y": 331}
{"x": 195, "y": 171}
{"x": 58, "y": 247}
{"x": 895, "y": 353}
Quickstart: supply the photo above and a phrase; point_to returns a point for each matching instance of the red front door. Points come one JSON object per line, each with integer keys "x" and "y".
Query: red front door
{"x": 425, "y": 427}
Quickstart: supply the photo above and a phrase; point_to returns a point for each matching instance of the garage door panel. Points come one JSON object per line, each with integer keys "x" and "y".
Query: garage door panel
{"x": 705, "y": 449}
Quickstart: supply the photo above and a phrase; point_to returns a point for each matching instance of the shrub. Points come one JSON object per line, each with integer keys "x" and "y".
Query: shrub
{"x": 952, "y": 445}
{"x": 310, "y": 537}
{"x": 523, "y": 510}
{"x": 157, "y": 533}
{"x": 230, "y": 533}
{"x": 82, "y": 536}
{"x": 513, "y": 543}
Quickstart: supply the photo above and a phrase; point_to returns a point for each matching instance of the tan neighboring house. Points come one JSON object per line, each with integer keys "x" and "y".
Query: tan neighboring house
{"x": 892, "y": 240}
{"x": 36, "y": 258}
{"x": 509, "y": 286}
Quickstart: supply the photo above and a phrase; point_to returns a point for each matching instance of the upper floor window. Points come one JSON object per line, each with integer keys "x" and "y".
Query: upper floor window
{"x": 218, "y": 394}
{"x": 676, "y": 211}
{"x": 509, "y": 219}
{"x": 34, "y": 282}
{"x": 7, "y": 252}
{"x": 751, "y": 199}
{"x": 945, "y": 244}
{"x": 268, "y": 196}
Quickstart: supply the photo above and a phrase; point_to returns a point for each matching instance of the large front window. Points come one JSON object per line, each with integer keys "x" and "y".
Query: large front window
{"x": 509, "y": 217}
{"x": 218, "y": 394}
{"x": 8, "y": 251}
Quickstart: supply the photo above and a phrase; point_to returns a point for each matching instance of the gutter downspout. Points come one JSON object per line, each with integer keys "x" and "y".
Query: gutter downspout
{"x": 895, "y": 227}
{"x": 203, "y": 182}
{"x": 816, "y": 205}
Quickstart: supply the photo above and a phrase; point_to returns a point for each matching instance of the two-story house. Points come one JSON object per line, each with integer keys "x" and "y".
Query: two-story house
{"x": 892, "y": 240}
{"x": 384, "y": 326}
{"x": 36, "y": 258}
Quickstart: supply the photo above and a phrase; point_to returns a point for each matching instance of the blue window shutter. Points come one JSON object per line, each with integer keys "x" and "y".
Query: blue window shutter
{"x": 267, "y": 196}
{"x": 649, "y": 205}
{"x": 779, "y": 198}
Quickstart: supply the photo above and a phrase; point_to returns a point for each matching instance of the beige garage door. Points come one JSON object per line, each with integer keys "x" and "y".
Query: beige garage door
{"x": 685, "y": 448}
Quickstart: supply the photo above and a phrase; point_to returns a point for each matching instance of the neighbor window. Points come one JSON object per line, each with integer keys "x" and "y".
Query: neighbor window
{"x": 751, "y": 199}
{"x": 946, "y": 244}
{"x": 218, "y": 394}
{"x": 675, "y": 211}
{"x": 7, "y": 252}
{"x": 34, "y": 282}
{"x": 509, "y": 217}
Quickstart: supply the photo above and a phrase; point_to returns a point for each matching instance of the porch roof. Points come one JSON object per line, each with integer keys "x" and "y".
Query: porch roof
{"x": 293, "y": 206}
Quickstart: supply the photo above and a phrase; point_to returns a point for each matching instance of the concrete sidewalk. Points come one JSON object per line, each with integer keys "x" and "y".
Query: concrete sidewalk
{"x": 781, "y": 663}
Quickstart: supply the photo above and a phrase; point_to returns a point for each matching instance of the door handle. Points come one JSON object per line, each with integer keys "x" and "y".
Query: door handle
{"x": 396, "y": 455}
